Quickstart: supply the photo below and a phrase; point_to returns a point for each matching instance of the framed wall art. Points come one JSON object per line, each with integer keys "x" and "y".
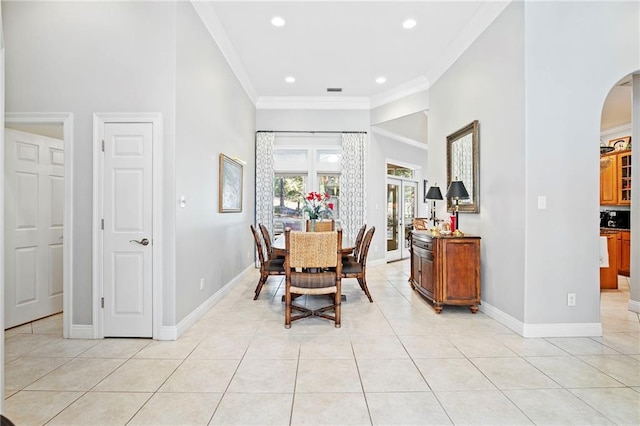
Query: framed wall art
{"x": 463, "y": 164}
{"x": 230, "y": 185}
{"x": 620, "y": 144}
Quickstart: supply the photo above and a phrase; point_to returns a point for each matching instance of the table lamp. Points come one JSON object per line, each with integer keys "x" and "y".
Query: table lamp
{"x": 434, "y": 194}
{"x": 457, "y": 191}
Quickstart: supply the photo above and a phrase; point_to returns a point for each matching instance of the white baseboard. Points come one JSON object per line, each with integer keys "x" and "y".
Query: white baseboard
{"x": 172, "y": 332}
{"x": 634, "y": 306}
{"x": 542, "y": 330}
{"x": 81, "y": 332}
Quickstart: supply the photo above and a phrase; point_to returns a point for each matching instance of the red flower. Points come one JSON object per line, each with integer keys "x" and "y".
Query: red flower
{"x": 330, "y": 206}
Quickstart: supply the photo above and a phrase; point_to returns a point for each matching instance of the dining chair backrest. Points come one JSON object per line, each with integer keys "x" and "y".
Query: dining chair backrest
{"x": 323, "y": 225}
{"x": 312, "y": 249}
{"x": 358, "y": 242}
{"x": 267, "y": 239}
{"x": 257, "y": 238}
{"x": 366, "y": 242}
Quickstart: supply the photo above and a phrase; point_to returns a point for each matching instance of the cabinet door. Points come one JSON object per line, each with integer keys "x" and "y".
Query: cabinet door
{"x": 609, "y": 276}
{"x": 461, "y": 271}
{"x": 624, "y": 178}
{"x": 608, "y": 180}
{"x": 428, "y": 276}
{"x": 416, "y": 273}
{"x": 625, "y": 253}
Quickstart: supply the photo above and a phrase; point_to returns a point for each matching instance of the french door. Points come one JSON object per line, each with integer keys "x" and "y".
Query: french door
{"x": 401, "y": 210}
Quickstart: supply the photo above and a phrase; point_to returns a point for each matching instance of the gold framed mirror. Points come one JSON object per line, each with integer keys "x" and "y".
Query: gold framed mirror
{"x": 463, "y": 164}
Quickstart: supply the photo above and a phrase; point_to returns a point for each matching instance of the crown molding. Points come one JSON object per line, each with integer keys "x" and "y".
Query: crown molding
{"x": 313, "y": 102}
{"x": 396, "y": 137}
{"x": 409, "y": 88}
{"x": 617, "y": 129}
{"x": 213, "y": 25}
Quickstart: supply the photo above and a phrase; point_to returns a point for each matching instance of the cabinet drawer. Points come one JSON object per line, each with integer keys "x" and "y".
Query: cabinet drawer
{"x": 423, "y": 245}
{"x": 425, "y": 254}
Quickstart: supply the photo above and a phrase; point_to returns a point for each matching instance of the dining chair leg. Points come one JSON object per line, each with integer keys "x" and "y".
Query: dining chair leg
{"x": 337, "y": 301}
{"x": 261, "y": 282}
{"x": 363, "y": 286}
{"x": 287, "y": 310}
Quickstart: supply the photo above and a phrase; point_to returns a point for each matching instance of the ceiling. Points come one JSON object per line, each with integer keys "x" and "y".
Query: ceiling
{"x": 349, "y": 44}
{"x": 344, "y": 44}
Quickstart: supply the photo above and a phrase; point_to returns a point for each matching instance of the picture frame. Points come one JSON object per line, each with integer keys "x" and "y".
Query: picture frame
{"x": 463, "y": 164}
{"x": 230, "y": 185}
{"x": 619, "y": 144}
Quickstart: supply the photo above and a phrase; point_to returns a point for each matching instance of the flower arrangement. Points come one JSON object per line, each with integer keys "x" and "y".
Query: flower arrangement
{"x": 317, "y": 205}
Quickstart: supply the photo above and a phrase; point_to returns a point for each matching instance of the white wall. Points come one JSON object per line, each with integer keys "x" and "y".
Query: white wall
{"x": 487, "y": 84}
{"x": 213, "y": 116}
{"x": 573, "y": 58}
{"x": 84, "y": 58}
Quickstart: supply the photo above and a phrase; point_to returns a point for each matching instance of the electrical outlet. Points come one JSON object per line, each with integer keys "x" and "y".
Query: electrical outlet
{"x": 201, "y": 283}
{"x": 571, "y": 299}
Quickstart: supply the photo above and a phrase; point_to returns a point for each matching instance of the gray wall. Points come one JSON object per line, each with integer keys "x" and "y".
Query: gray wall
{"x": 84, "y": 58}
{"x": 148, "y": 57}
{"x": 536, "y": 80}
{"x": 412, "y": 126}
{"x": 573, "y": 58}
{"x": 213, "y": 116}
{"x": 487, "y": 84}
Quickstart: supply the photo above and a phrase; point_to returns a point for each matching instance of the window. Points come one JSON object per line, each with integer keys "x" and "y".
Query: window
{"x": 399, "y": 171}
{"x": 310, "y": 165}
{"x": 330, "y": 184}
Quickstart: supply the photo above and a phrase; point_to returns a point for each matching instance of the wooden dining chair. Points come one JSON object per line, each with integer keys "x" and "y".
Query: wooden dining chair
{"x": 322, "y": 225}
{"x": 313, "y": 266}
{"x": 268, "y": 242}
{"x": 356, "y": 248}
{"x": 358, "y": 269}
{"x": 267, "y": 266}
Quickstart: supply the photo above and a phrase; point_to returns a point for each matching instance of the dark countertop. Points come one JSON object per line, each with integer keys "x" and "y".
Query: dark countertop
{"x": 612, "y": 230}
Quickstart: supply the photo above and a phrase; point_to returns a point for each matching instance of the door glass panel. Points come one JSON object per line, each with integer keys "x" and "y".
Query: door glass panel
{"x": 409, "y": 210}
{"x": 393, "y": 216}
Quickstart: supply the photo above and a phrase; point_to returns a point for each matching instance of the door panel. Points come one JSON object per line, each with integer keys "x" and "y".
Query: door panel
{"x": 401, "y": 209}
{"x": 127, "y": 210}
{"x": 34, "y": 211}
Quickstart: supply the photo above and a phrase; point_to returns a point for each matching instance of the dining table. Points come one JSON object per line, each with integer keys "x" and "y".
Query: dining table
{"x": 279, "y": 250}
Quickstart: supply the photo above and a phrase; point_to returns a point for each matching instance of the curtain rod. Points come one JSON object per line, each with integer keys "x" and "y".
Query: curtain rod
{"x": 308, "y": 131}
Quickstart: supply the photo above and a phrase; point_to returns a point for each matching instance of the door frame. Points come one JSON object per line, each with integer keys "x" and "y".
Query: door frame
{"x": 66, "y": 120}
{"x": 99, "y": 121}
{"x": 417, "y": 170}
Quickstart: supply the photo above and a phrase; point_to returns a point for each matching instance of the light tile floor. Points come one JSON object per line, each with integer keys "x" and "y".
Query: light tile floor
{"x": 393, "y": 361}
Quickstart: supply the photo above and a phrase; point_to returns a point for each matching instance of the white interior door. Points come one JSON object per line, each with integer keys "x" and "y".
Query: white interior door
{"x": 34, "y": 211}
{"x": 127, "y": 231}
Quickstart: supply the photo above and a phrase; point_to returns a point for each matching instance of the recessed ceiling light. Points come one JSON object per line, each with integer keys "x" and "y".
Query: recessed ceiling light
{"x": 277, "y": 21}
{"x": 409, "y": 23}
{"x": 290, "y": 79}
{"x": 381, "y": 80}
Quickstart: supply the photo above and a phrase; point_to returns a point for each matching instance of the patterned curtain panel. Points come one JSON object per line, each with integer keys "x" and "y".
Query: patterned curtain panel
{"x": 264, "y": 179}
{"x": 353, "y": 195}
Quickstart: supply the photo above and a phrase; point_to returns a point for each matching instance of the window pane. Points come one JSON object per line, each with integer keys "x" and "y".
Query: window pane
{"x": 288, "y": 191}
{"x": 330, "y": 184}
{"x": 394, "y": 170}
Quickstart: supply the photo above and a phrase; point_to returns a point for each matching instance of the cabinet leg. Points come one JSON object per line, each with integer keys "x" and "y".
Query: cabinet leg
{"x": 474, "y": 308}
{"x": 437, "y": 307}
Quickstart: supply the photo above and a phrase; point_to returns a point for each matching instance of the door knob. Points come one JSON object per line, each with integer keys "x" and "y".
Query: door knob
{"x": 142, "y": 242}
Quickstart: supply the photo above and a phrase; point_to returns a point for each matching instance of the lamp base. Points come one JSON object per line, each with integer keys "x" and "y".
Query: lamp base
{"x": 458, "y": 233}
{"x": 434, "y": 231}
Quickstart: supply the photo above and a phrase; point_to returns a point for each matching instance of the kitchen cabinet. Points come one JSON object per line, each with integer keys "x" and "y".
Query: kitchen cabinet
{"x": 624, "y": 251}
{"x": 609, "y": 275}
{"x": 446, "y": 269}
{"x": 615, "y": 178}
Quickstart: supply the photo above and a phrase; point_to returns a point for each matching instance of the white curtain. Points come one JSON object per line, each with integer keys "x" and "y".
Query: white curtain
{"x": 264, "y": 179}
{"x": 353, "y": 194}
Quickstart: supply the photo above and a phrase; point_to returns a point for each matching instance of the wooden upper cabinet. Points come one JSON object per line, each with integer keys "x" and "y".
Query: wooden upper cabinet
{"x": 624, "y": 178}
{"x": 609, "y": 179}
{"x": 615, "y": 178}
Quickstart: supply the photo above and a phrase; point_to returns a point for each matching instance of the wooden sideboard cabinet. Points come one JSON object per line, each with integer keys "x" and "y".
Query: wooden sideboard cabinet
{"x": 446, "y": 270}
